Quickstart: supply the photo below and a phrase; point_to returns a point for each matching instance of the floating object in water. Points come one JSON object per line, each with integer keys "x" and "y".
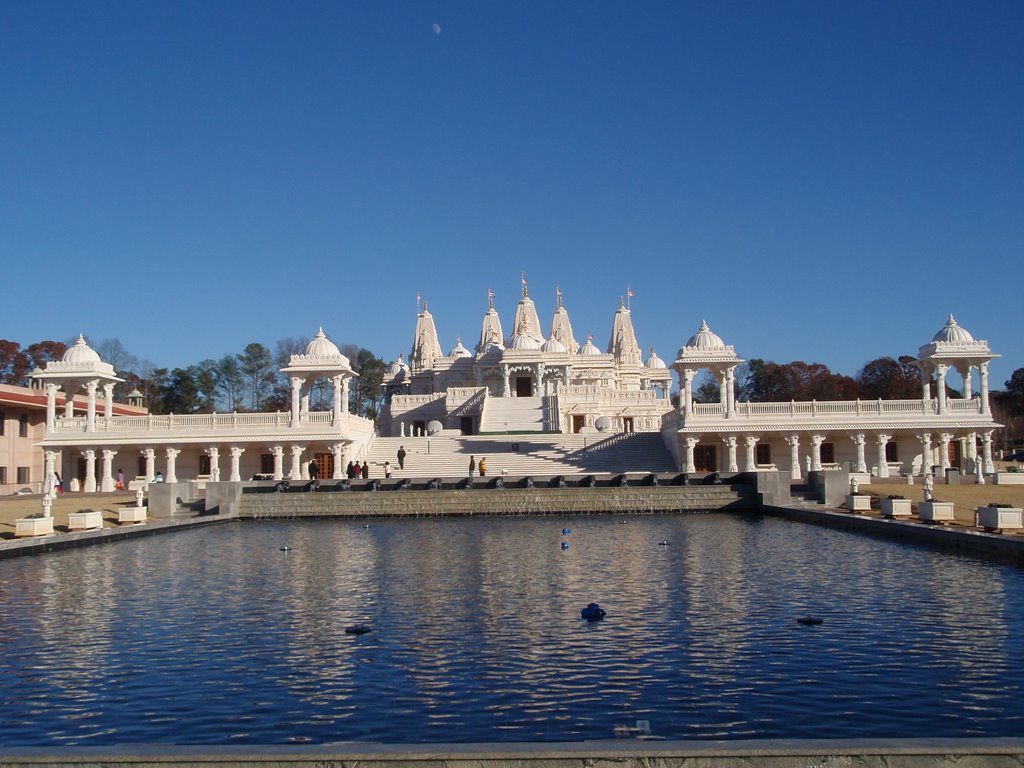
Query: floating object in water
{"x": 565, "y": 545}
{"x": 567, "y": 531}
{"x": 593, "y": 612}
{"x": 357, "y": 629}
{"x": 809, "y": 620}
{"x": 286, "y": 549}
{"x": 663, "y": 543}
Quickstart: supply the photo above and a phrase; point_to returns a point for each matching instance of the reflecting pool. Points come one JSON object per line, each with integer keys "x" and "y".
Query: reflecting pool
{"x": 218, "y": 636}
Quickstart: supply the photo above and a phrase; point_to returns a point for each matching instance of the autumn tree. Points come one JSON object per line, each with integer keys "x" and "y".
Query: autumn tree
{"x": 888, "y": 379}
{"x": 13, "y": 363}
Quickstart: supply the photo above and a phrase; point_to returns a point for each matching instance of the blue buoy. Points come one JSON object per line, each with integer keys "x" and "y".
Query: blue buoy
{"x": 567, "y": 531}
{"x": 593, "y": 612}
{"x": 357, "y": 629}
{"x": 565, "y": 545}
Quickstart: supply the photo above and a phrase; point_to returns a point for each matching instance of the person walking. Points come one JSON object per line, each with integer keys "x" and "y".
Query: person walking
{"x": 401, "y": 457}
{"x": 472, "y": 465}
{"x": 387, "y": 469}
{"x": 483, "y": 466}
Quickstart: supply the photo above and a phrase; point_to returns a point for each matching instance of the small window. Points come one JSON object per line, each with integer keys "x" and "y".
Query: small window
{"x": 828, "y": 453}
{"x": 266, "y": 464}
{"x": 763, "y": 453}
{"x": 891, "y": 452}
{"x": 23, "y": 425}
{"x": 23, "y": 475}
{"x": 204, "y": 464}
{"x": 140, "y": 467}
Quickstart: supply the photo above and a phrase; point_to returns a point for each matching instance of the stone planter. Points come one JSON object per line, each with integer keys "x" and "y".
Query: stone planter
{"x": 85, "y": 520}
{"x": 132, "y": 515}
{"x": 1008, "y": 478}
{"x": 1000, "y": 518}
{"x": 858, "y": 503}
{"x": 33, "y": 526}
{"x": 936, "y": 511}
{"x": 895, "y": 507}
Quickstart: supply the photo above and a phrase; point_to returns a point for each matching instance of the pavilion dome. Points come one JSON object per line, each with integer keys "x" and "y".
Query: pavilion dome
{"x": 554, "y": 345}
{"x": 705, "y": 340}
{"x": 81, "y": 354}
{"x": 588, "y": 349}
{"x": 654, "y": 361}
{"x": 458, "y": 351}
{"x": 953, "y": 333}
{"x": 525, "y": 341}
{"x": 321, "y": 346}
{"x": 398, "y": 367}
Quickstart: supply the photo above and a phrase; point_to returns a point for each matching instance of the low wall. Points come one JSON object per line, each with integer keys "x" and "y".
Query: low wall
{"x": 892, "y": 753}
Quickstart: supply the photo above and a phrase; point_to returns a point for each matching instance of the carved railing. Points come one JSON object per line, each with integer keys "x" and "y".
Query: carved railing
{"x": 838, "y": 408}
{"x": 200, "y": 422}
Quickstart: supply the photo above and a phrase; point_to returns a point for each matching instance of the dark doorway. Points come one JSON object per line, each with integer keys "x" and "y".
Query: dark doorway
{"x": 419, "y": 428}
{"x": 578, "y": 422}
{"x": 954, "y": 454}
{"x": 466, "y": 425}
{"x": 524, "y": 386}
{"x": 627, "y": 423}
{"x": 704, "y": 458}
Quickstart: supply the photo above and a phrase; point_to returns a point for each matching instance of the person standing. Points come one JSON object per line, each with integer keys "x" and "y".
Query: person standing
{"x": 366, "y": 470}
{"x": 350, "y": 471}
{"x": 472, "y": 465}
{"x": 387, "y": 469}
{"x": 483, "y": 467}
{"x": 120, "y": 479}
{"x": 358, "y": 470}
{"x": 314, "y": 471}
{"x": 401, "y": 457}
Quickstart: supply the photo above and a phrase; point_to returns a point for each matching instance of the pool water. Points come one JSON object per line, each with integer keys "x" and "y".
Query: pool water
{"x": 217, "y": 636}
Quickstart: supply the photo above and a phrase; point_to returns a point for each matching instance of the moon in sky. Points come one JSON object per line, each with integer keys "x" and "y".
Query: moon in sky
{"x": 437, "y": 28}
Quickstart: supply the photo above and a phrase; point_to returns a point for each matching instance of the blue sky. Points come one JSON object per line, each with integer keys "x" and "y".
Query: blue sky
{"x": 819, "y": 181}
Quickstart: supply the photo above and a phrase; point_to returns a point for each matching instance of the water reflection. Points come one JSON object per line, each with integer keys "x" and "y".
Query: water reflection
{"x": 219, "y": 636}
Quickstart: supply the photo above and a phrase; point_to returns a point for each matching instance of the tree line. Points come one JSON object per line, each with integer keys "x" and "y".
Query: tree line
{"x": 247, "y": 381}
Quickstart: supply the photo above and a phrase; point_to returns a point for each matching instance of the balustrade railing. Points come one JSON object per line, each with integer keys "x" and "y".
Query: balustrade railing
{"x": 196, "y": 422}
{"x": 837, "y": 408}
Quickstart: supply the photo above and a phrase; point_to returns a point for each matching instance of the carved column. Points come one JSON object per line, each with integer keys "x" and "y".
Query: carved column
{"x": 90, "y": 408}
{"x": 338, "y": 451}
{"x": 986, "y": 453}
{"x": 688, "y": 465}
{"x": 816, "y": 441}
{"x": 967, "y": 381}
{"x": 108, "y": 400}
{"x": 794, "y": 456}
{"x": 69, "y": 400}
{"x": 236, "y": 455}
{"x": 49, "y": 460}
{"x": 150, "y": 456}
{"x": 337, "y": 400}
{"x": 214, "y": 453}
{"x": 944, "y": 439}
{"x": 296, "y": 471}
{"x": 730, "y": 389}
{"x": 943, "y": 370}
{"x": 278, "y": 453}
{"x": 346, "y": 405}
{"x": 686, "y": 394}
{"x": 883, "y": 465}
{"x": 506, "y": 387}
{"x": 926, "y": 453}
{"x": 730, "y": 443}
{"x": 983, "y": 377}
{"x": 750, "y": 459}
{"x": 90, "y": 470}
{"x": 172, "y": 458}
{"x": 107, "y": 470}
{"x": 51, "y": 405}
{"x": 861, "y": 464}
{"x": 296, "y": 394}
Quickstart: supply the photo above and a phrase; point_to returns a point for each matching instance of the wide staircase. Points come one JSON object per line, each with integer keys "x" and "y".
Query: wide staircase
{"x": 519, "y": 455}
{"x": 513, "y": 414}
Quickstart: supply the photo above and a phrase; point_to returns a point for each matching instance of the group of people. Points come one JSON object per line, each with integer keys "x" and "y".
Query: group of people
{"x": 475, "y": 465}
{"x": 357, "y": 471}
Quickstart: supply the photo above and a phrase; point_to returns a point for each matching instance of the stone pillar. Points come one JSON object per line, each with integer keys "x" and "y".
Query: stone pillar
{"x": 345, "y": 406}
{"x": 150, "y": 456}
{"x": 506, "y": 386}
{"x": 172, "y": 457}
{"x": 688, "y": 465}
{"x": 90, "y": 470}
{"x": 304, "y": 405}
{"x": 794, "y": 456}
{"x": 986, "y": 453}
{"x": 278, "y": 453}
{"x": 943, "y": 370}
{"x": 49, "y": 461}
{"x": 750, "y": 459}
{"x": 926, "y": 380}
{"x": 296, "y": 393}
{"x": 69, "y": 401}
{"x": 296, "y": 471}
{"x": 51, "y": 405}
{"x": 730, "y": 443}
{"x": 108, "y": 399}
{"x": 816, "y": 441}
{"x": 214, "y": 453}
{"x": 90, "y": 408}
{"x": 983, "y": 377}
{"x": 686, "y": 393}
{"x": 236, "y": 456}
{"x": 883, "y": 466}
{"x": 944, "y": 439}
{"x": 337, "y": 400}
{"x": 926, "y": 453}
{"x": 338, "y": 450}
{"x": 107, "y": 470}
{"x": 967, "y": 381}
{"x": 861, "y": 464}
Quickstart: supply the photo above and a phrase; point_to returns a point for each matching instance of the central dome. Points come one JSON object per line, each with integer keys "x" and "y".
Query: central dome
{"x": 321, "y": 346}
{"x": 953, "y": 333}
{"x": 705, "y": 340}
